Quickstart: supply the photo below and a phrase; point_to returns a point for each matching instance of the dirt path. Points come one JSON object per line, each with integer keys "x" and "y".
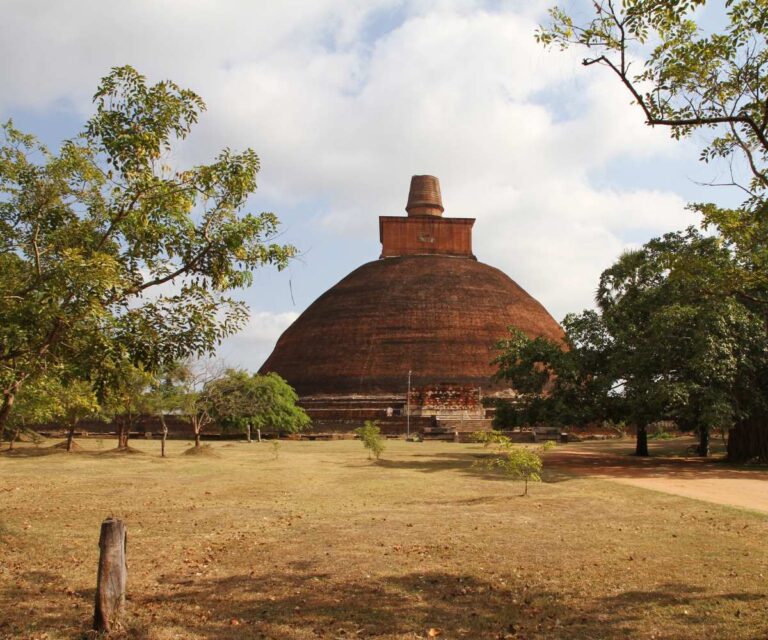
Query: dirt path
{"x": 709, "y": 480}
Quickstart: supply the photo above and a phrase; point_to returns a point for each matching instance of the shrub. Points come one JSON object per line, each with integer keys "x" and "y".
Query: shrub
{"x": 370, "y": 434}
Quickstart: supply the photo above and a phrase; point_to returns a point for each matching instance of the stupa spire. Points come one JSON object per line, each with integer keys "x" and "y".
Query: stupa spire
{"x": 424, "y": 197}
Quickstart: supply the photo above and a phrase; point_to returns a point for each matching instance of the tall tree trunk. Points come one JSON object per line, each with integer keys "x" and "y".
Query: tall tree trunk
{"x": 197, "y": 436}
{"x": 704, "y": 442}
{"x": 248, "y": 431}
{"x": 641, "y": 448}
{"x": 122, "y": 434}
{"x": 70, "y": 436}
{"x": 14, "y": 437}
{"x": 748, "y": 440}
{"x": 165, "y": 435}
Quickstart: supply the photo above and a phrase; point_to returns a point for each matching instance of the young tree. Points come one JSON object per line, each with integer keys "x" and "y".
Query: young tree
{"x": 519, "y": 463}
{"x": 167, "y": 396}
{"x": 126, "y": 399}
{"x": 89, "y": 235}
{"x": 77, "y": 401}
{"x": 370, "y": 435}
{"x": 37, "y": 404}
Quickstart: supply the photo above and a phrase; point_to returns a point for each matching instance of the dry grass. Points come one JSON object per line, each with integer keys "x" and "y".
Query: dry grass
{"x": 321, "y": 543}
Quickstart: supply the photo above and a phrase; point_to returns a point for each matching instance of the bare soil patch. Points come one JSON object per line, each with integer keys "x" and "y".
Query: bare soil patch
{"x": 668, "y": 470}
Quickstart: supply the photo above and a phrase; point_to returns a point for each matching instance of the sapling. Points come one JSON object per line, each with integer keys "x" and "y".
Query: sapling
{"x": 519, "y": 463}
{"x": 370, "y": 435}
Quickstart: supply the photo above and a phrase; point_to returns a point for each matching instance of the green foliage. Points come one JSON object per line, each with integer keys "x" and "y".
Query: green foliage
{"x": 710, "y": 80}
{"x": 266, "y": 402}
{"x": 659, "y": 433}
{"x": 691, "y": 79}
{"x": 517, "y": 462}
{"x": 373, "y": 441}
{"x": 51, "y": 398}
{"x": 89, "y": 235}
{"x": 663, "y": 344}
{"x": 488, "y": 438}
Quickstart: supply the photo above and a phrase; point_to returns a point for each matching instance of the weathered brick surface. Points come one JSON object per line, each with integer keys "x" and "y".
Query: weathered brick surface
{"x": 437, "y": 316}
{"x": 446, "y": 399}
{"x": 421, "y": 235}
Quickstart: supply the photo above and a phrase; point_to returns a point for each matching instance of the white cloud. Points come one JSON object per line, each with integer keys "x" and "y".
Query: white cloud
{"x": 249, "y": 348}
{"x": 342, "y": 120}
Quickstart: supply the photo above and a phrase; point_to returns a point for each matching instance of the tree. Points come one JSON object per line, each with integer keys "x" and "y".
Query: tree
{"x": 126, "y": 399}
{"x": 519, "y": 463}
{"x": 36, "y": 405}
{"x": 89, "y": 236}
{"x": 370, "y": 435}
{"x": 713, "y": 83}
{"x": 77, "y": 401}
{"x": 658, "y": 347}
{"x": 239, "y": 401}
{"x": 167, "y": 396}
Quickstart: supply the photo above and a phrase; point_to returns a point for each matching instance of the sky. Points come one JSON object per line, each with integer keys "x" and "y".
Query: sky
{"x": 345, "y": 100}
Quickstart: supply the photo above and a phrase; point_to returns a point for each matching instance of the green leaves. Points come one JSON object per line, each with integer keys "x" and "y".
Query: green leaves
{"x": 370, "y": 436}
{"x": 713, "y": 82}
{"x": 109, "y": 255}
{"x": 265, "y": 402}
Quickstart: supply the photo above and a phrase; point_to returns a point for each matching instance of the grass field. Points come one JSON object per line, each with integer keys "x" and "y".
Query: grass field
{"x": 322, "y": 543}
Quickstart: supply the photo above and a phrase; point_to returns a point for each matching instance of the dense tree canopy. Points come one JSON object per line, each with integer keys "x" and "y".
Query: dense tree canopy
{"x": 89, "y": 235}
{"x": 662, "y": 345}
{"x": 239, "y": 400}
{"x": 711, "y": 79}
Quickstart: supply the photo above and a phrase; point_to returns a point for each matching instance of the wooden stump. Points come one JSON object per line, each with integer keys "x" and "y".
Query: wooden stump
{"x": 112, "y": 576}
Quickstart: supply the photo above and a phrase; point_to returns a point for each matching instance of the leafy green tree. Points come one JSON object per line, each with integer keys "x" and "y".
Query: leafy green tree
{"x": 167, "y": 396}
{"x": 89, "y": 236}
{"x": 373, "y": 441}
{"x": 711, "y": 82}
{"x": 37, "y": 405}
{"x": 240, "y": 401}
{"x": 76, "y": 401}
{"x": 126, "y": 399}
{"x": 658, "y": 347}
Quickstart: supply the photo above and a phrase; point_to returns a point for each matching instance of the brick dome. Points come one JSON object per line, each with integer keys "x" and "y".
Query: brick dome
{"x": 435, "y": 315}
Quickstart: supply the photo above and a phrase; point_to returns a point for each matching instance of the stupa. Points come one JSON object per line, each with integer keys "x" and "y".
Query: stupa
{"x": 408, "y": 339}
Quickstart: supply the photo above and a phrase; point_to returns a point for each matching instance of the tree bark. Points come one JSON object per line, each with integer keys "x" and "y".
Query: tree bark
{"x": 641, "y": 448}
{"x": 165, "y": 435}
{"x": 748, "y": 440}
{"x": 248, "y": 431}
{"x": 112, "y": 576}
{"x": 197, "y": 436}
{"x": 703, "y": 442}
{"x": 258, "y": 434}
{"x": 122, "y": 434}
{"x": 70, "y": 437}
{"x": 5, "y": 409}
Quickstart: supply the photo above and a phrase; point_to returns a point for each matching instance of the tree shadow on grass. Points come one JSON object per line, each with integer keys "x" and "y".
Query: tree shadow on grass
{"x": 282, "y": 607}
{"x": 615, "y": 465}
{"x": 296, "y": 602}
